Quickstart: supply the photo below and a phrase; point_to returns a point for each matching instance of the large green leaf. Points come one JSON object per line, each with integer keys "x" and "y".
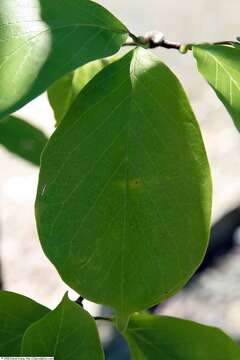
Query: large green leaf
{"x": 17, "y": 313}
{"x": 160, "y": 337}
{"x": 41, "y": 40}
{"x": 22, "y": 138}
{"x": 220, "y": 65}
{"x": 64, "y": 91}
{"x": 68, "y": 332}
{"x": 124, "y": 196}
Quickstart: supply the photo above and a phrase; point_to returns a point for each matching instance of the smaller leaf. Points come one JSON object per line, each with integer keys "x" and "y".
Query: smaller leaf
{"x": 237, "y": 45}
{"x": 17, "y": 313}
{"x": 219, "y": 64}
{"x": 61, "y": 95}
{"x": 161, "y": 337}
{"x": 64, "y": 91}
{"x": 22, "y": 139}
{"x": 68, "y": 332}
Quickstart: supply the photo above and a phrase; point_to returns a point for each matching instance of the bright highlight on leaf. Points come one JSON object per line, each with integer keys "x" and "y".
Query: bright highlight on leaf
{"x": 160, "y": 337}
{"x": 220, "y": 66}
{"x": 41, "y": 40}
{"x": 124, "y": 197}
{"x": 17, "y": 313}
{"x": 68, "y": 332}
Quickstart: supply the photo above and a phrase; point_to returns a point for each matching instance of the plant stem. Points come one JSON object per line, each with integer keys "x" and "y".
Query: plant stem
{"x": 102, "y": 318}
{"x": 79, "y": 301}
{"x": 150, "y": 40}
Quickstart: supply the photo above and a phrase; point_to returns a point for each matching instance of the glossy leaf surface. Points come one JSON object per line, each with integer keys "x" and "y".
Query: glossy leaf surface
{"x": 124, "y": 196}
{"x": 42, "y": 40}
{"x": 161, "y": 337}
{"x": 17, "y": 313}
{"x": 220, "y": 66}
{"x": 68, "y": 332}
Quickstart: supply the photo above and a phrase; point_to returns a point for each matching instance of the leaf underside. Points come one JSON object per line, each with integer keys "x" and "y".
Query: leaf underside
{"x": 219, "y": 65}
{"x": 42, "y": 40}
{"x": 124, "y": 196}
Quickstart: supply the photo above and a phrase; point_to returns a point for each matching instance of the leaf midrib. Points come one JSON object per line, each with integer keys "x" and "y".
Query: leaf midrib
{"x": 225, "y": 68}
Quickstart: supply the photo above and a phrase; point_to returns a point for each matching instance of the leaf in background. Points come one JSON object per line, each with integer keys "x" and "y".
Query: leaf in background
{"x": 236, "y": 45}
{"x": 220, "y": 65}
{"x": 17, "y": 313}
{"x": 22, "y": 139}
{"x": 42, "y": 40}
{"x": 68, "y": 332}
{"x": 64, "y": 91}
{"x": 161, "y": 337}
{"x": 124, "y": 196}
{"x": 61, "y": 96}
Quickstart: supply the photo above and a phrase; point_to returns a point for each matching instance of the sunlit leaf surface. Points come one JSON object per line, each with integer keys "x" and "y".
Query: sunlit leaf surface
{"x": 41, "y": 40}
{"x": 124, "y": 197}
{"x": 219, "y": 65}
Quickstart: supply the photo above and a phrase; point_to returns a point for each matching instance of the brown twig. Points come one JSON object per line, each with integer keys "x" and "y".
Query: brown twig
{"x": 156, "y": 39}
{"x": 79, "y": 301}
{"x": 102, "y": 318}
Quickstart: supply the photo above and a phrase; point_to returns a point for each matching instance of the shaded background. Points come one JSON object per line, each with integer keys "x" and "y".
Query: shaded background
{"x": 214, "y": 297}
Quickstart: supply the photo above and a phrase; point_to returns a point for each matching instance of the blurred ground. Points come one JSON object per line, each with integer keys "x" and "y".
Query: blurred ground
{"x": 215, "y": 298}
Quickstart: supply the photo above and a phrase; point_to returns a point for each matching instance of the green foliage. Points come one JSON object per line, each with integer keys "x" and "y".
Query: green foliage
{"x": 17, "y": 313}
{"x": 220, "y": 66}
{"x": 22, "y": 139}
{"x": 124, "y": 196}
{"x": 64, "y": 91}
{"x": 167, "y": 338}
{"x": 128, "y": 149}
{"x": 68, "y": 332}
{"x": 42, "y": 40}
{"x": 61, "y": 95}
